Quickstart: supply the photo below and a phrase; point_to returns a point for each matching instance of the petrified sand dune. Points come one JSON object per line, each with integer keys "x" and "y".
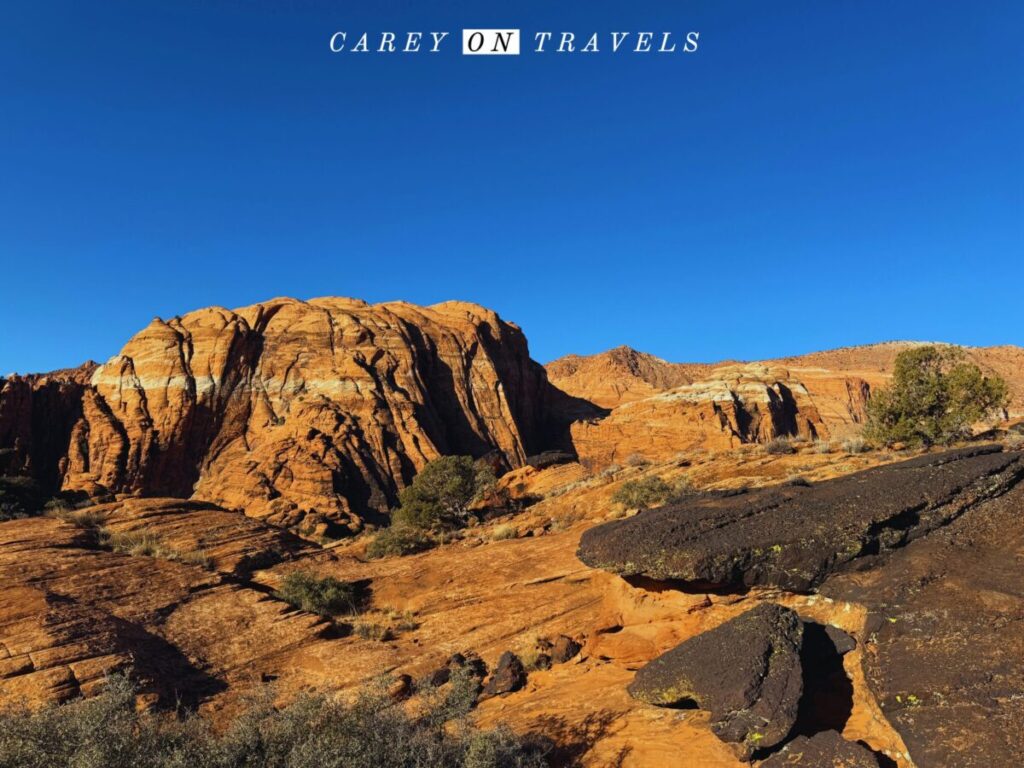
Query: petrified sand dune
{"x": 742, "y": 404}
{"x": 310, "y": 414}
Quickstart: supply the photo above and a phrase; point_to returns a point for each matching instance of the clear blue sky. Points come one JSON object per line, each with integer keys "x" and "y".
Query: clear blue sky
{"x": 818, "y": 174}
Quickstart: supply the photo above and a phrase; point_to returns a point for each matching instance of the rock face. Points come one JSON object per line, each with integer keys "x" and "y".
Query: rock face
{"x": 37, "y": 416}
{"x": 745, "y": 672}
{"x": 660, "y": 409}
{"x": 794, "y": 536}
{"x": 741, "y": 404}
{"x": 823, "y": 750}
{"x": 305, "y": 413}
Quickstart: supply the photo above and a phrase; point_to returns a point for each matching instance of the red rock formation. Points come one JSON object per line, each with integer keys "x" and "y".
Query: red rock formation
{"x": 37, "y": 415}
{"x": 306, "y": 413}
{"x": 741, "y": 404}
{"x": 621, "y": 375}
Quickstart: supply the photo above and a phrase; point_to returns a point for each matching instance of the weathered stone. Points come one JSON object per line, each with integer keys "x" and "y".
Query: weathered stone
{"x": 508, "y": 676}
{"x": 563, "y": 649}
{"x": 400, "y": 688}
{"x": 822, "y": 750}
{"x": 842, "y": 641}
{"x": 745, "y": 672}
{"x": 794, "y": 537}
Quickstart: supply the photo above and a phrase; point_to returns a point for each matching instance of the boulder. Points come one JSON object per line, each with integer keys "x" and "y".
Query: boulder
{"x": 508, "y": 676}
{"x": 946, "y": 639}
{"x": 794, "y": 537}
{"x": 745, "y": 672}
{"x": 400, "y": 688}
{"x": 822, "y": 750}
{"x": 475, "y": 666}
{"x": 563, "y": 649}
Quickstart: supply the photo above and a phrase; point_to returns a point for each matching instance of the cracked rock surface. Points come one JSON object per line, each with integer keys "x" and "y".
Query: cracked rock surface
{"x": 794, "y": 537}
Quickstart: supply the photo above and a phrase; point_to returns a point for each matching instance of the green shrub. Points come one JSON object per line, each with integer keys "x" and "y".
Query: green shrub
{"x": 370, "y": 630}
{"x": 398, "y": 540}
{"x": 80, "y": 518}
{"x": 141, "y": 542}
{"x": 639, "y": 494}
{"x": 935, "y": 397}
{"x": 440, "y": 495}
{"x": 326, "y": 596}
{"x": 316, "y": 731}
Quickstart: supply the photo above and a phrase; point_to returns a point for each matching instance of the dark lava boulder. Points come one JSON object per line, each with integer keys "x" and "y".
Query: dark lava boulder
{"x": 508, "y": 676}
{"x": 794, "y": 537}
{"x": 472, "y": 664}
{"x": 822, "y": 750}
{"x": 745, "y": 672}
{"x": 563, "y": 649}
{"x": 945, "y": 635}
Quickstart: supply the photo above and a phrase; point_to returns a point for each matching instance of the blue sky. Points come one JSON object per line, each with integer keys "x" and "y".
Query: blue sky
{"x": 819, "y": 174}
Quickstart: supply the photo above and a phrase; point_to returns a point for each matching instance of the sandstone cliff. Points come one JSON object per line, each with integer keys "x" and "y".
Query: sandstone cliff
{"x": 310, "y": 414}
{"x": 740, "y": 404}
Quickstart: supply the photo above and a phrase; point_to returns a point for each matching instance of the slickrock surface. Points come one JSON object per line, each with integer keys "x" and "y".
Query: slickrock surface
{"x": 70, "y": 611}
{"x": 793, "y": 536}
{"x": 221, "y": 633}
{"x": 233, "y": 544}
{"x": 310, "y": 414}
{"x": 746, "y": 673}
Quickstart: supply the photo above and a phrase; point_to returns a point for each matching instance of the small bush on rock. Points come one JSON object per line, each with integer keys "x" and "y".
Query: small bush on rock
{"x": 637, "y": 460}
{"x": 779, "y": 446}
{"x": 326, "y": 596}
{"x": 398, "y": 540}
{"x": 856, "y": 445}
{"x": 639, "y": 494}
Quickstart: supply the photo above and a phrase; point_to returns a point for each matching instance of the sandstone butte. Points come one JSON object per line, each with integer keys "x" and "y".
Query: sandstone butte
{"x": 223, "y": 434}
{"x": 309, "y": 414}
